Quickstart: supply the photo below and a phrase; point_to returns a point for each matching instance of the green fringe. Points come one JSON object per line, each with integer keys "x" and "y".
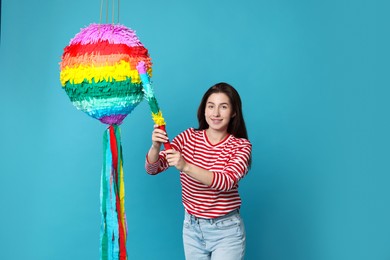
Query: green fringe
{"x": 103, "y": 89}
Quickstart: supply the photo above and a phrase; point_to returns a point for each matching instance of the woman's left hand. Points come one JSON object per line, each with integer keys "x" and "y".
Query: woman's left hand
{"x": 175, "y": 159}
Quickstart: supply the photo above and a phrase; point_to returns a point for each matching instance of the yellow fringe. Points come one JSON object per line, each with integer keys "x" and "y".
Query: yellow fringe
{"x": 119, "y": 72}
{"x": 122, "y": 199}
{"x": 158, "y": 118}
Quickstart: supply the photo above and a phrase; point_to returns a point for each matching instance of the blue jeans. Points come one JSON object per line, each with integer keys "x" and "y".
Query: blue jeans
{"x": 222, "y": 238}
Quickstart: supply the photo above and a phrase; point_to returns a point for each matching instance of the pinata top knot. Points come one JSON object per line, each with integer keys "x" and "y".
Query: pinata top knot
{"x": 99, "y": 74}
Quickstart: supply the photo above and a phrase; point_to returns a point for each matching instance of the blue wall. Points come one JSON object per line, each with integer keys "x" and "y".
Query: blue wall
{"x": 314, "y": 79}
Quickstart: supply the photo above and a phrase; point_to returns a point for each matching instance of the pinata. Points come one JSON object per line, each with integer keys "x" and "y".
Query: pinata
{"x": 105, "y": 71}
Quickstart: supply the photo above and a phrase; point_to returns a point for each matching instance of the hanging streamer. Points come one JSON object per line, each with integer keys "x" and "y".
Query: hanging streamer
{"x": 113, "y": 231}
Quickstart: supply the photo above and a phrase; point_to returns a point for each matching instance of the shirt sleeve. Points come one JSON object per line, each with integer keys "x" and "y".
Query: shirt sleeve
{"x": 236, "y": 168}
{"x": 159, "y": 166}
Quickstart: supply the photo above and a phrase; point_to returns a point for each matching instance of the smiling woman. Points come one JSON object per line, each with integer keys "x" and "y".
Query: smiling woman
{"x": 211, "y": 160}
{"x": 312, "y": 76}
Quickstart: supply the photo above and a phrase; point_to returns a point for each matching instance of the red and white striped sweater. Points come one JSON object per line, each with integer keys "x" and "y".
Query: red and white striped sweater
{"x": 228, "y": 160}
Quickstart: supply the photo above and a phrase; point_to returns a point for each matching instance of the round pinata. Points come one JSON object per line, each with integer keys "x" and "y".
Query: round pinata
{"x": 99, "y": 74}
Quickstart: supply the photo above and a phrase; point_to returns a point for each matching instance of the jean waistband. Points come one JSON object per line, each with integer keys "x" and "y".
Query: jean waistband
{"x": 212, "y": 220}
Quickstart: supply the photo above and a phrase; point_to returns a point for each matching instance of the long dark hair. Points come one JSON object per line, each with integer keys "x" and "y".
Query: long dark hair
{"x": 236, "y": 125}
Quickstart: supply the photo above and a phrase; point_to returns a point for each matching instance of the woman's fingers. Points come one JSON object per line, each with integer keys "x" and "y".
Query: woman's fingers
{"x": 175, "y": 159}
{"x": 159, "y": 135}
{"x": 171, "y": 156}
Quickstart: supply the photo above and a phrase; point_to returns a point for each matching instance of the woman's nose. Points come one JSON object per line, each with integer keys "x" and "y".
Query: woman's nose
{"x": 216, "y": 112}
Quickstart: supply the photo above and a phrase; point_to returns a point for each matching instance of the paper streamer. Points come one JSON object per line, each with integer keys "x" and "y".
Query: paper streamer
{"x": 113, "y": 230}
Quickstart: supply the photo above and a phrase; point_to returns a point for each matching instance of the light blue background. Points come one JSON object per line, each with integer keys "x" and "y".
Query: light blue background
{"x": 314, "y": 80}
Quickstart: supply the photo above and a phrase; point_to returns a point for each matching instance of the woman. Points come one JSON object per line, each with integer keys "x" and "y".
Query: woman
{"x": 212, "y": 160}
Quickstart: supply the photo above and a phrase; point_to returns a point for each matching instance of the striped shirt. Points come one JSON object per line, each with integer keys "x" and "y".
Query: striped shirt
{"x": 228, "y": 160}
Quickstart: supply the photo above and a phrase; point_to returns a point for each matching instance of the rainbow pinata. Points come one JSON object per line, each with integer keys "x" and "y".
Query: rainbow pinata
{"x": 99, "y": 74}
{"x": 105, "y": 70}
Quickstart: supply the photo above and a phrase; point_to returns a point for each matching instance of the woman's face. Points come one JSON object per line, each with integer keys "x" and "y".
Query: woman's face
{"x": 218, "y": 112}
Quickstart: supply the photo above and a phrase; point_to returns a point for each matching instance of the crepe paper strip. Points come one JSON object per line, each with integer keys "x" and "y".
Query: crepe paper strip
{"x": 113, "y": 232}
{"x": 109, "y": 230}
{"x": 152, "y": 101}
{"x": 93, "y": 100}
{"x": 103, "y": 48}
{"x": 120, "y": 71}
{"x": 101, "y": 60}
{"x": 167, "y": 145}
{"x": 117, "y": 163}
{"x": 113, "y": 33}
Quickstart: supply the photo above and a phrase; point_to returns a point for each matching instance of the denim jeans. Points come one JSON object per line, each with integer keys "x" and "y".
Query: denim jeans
{"x": 222, "y": 238}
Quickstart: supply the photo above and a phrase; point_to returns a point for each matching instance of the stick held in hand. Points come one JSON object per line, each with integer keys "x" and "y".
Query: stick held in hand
{"x": 152, "y": 101}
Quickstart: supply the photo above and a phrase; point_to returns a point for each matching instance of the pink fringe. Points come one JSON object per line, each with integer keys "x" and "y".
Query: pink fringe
{"x": 114, "y": 33}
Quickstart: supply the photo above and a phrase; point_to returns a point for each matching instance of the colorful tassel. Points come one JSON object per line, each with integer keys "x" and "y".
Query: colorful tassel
{"x": 113, "y": 230}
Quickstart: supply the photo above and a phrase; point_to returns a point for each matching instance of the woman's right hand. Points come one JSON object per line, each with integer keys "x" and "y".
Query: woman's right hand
{"x": 158, "y": 137}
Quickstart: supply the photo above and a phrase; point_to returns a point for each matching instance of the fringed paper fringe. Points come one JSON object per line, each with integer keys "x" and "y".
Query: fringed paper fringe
{"x": 113, "y": 230}
{"x": 119, "y": 72}
{"x": 103, "y": 89}
{"x": 150, "y": 97}
{"x": 158, "y": 118}
{"x": 114, "y": 33}
{"x": 104, "y": 48}
{"x": 103, "y": 60}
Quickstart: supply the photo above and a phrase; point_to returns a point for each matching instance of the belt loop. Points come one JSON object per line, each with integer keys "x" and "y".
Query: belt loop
{"x": 194, "y": 219}
{"x": 236, "y": 211}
